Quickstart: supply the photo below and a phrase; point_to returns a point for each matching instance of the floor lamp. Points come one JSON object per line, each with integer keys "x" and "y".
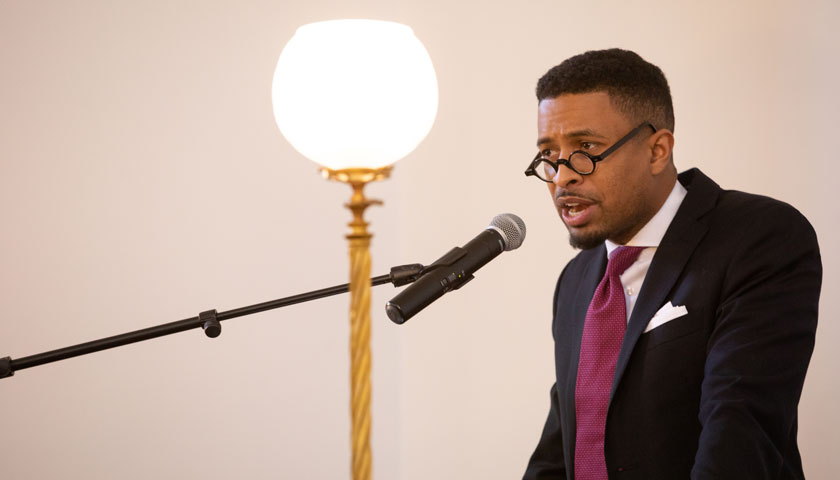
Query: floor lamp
{"x": 355, "y": 96}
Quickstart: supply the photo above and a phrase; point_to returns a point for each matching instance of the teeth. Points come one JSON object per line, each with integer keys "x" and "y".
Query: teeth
{"x": 574, "y": 209}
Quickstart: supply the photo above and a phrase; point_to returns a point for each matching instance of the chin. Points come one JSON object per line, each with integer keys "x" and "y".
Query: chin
{"x": 586, "y": 240}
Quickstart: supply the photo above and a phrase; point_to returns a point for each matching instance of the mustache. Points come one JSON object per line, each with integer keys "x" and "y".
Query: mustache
{"x": 562, "y": 192}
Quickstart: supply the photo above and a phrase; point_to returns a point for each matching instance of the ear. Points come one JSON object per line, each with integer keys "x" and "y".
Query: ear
{"x": 661, "y": 150}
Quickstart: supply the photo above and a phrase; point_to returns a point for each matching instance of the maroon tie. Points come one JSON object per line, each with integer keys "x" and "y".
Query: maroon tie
{"x": 606, "y": 321}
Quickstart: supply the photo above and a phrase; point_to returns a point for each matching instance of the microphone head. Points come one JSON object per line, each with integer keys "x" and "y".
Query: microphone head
{"x": 511, "y": 228}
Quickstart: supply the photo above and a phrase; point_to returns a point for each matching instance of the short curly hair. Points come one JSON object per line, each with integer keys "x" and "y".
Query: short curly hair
{"x": 636, "y": 87}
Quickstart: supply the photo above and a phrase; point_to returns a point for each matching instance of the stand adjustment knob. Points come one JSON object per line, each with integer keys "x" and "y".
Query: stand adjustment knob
{"x": 210, "y": 323}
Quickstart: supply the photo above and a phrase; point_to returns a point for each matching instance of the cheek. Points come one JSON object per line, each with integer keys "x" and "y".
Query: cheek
{"x": 613, "y": 194}
{"x": 623, "y": 194}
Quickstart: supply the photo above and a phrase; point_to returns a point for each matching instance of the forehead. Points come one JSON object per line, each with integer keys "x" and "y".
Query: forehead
{"x": 570, "y": 113}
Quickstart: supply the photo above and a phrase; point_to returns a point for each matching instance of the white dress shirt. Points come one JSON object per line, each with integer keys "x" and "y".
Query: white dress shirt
{"x": 649, "y": 236}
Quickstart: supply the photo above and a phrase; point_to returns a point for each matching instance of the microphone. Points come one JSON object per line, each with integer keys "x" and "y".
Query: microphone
{"x": 456, "y": 268}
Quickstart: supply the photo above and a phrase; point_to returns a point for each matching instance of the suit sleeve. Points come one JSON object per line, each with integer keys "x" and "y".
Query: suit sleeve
{"x": 759, "y": 349}
{"x": 547, "y": 462}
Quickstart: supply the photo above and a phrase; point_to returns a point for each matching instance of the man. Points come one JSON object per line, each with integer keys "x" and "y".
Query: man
{"x": 683, "y": 353}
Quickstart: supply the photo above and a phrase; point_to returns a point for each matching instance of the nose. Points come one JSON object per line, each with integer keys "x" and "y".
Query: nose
{"x": 566, "y": 176}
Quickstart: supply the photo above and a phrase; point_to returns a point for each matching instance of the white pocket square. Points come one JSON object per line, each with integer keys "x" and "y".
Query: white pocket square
{"x": 665, "y": 314}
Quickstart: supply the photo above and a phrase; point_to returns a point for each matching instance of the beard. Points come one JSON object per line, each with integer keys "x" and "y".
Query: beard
{"x": 620, "y": 231}
{"x": 586, "y": 241}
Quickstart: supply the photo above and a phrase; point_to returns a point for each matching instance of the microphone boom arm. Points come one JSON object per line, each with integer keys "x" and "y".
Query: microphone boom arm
{"x": 208, "y": 320}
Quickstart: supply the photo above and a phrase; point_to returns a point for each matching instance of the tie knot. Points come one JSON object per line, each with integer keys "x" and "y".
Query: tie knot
{"x": 621, "y": 258}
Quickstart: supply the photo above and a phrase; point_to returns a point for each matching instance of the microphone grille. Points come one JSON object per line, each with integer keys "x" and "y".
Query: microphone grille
{"x": 511, "y": 227}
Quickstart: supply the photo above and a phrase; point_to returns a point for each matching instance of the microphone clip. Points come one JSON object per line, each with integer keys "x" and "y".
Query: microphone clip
{"x": 405, "y": 274}
{"x": 455, "y": 279}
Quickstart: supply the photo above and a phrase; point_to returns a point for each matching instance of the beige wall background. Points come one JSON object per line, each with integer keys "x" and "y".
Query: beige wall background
{"x": 143, "y": 180}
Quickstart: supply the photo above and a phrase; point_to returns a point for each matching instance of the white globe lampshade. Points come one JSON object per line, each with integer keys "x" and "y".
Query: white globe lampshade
{"x": 354, "y": 93}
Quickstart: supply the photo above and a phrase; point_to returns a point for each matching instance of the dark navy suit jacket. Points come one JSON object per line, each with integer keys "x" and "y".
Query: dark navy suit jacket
{"x": 712, "y": 394}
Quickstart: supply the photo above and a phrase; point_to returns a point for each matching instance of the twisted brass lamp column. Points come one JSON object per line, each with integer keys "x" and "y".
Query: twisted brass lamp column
{"x": 360, "y": 365}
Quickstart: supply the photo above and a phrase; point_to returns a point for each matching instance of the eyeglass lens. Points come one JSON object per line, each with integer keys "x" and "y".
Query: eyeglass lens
{"x": 578, "y": 161}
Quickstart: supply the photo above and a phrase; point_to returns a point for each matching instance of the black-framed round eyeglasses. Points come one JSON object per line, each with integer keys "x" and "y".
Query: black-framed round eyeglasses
{"x": 545, "y": 165}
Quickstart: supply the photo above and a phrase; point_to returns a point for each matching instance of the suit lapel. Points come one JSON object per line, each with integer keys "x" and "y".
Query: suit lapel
{"x": 593, "y": 271}
{"x": 679, "y": 242}
{"x": 585, "y": 291}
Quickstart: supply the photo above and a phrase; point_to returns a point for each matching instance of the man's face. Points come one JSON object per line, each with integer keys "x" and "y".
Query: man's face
{"x": 615, "y": 201}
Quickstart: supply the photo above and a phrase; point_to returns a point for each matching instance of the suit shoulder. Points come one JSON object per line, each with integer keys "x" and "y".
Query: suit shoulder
{"x": 750, "y": 204}
{"x": 743, "y": 211}
{"x": 583, "y": 259}
{"x": 735, "y": 210}
{"x": 575, "y": 270}
{"x": 578, "y": 266}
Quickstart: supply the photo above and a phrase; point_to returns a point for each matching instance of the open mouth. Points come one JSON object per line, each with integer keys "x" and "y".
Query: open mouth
{"x": 575, "y": 211}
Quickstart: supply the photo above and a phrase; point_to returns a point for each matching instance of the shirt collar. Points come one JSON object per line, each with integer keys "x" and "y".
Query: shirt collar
{"x": 652, "y": 233}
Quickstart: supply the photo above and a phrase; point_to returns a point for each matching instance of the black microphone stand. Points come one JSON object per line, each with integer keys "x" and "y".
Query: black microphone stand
{"x": 209, "y": 321}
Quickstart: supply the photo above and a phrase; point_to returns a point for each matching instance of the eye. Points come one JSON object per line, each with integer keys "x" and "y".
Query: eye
{"x": 587, "y": 145}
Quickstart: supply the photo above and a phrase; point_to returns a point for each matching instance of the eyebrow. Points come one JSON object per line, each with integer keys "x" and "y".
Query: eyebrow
{"x": 573, "y": 134}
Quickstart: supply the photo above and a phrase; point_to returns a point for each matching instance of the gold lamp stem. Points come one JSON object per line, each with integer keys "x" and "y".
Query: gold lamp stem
{"x": 360, "y": 364}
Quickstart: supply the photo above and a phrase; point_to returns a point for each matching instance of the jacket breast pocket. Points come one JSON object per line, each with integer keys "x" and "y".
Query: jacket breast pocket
{"x": 673, "y": 330}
